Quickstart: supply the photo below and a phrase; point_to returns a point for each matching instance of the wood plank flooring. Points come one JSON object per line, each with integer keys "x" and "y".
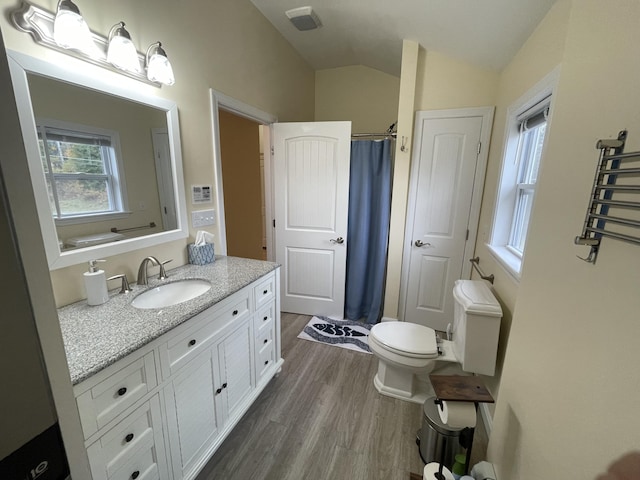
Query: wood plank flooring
{"x": 322, "y": 419}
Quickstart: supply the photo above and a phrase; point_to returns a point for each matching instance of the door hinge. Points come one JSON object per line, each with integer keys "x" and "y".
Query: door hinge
{"x": 274, "y": 223}
{"x": 272, "y": 150}
{"x": 467, "y": 235}
{"x": 479, "y": 147}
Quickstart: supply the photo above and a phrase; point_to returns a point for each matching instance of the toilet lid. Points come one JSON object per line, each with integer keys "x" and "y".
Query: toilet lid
{"x": 406, "y": 337}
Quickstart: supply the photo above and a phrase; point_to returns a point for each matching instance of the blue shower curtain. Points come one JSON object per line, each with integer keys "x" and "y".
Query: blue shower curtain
{"x": 368, "y": 231}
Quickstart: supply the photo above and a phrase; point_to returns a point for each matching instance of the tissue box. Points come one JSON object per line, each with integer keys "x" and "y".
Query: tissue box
{"x": 200, "y": 254}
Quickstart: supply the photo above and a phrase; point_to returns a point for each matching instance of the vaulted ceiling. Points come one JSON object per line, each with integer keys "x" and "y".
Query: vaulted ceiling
{"x": 370, "y": 32}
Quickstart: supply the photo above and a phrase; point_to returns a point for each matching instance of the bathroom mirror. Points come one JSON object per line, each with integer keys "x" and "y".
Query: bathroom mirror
{"x": 104, "y": 158}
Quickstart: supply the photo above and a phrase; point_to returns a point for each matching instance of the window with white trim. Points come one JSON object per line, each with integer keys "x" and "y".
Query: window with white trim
{"x": 528, "y": 154}
{"x": 82, "y": 173}
{"x": 526, "y": 131}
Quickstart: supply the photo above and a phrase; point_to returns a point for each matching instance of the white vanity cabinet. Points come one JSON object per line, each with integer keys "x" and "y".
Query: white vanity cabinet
{"x": 162, "y": 411}
{"x": 122, "y": 421}
{"x": 205, "y": 395}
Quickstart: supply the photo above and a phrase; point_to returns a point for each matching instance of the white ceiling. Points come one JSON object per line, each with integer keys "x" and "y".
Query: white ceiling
{"x": 370, "y": 32}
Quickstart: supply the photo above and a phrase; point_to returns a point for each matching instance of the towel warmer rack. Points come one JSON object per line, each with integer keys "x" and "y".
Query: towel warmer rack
{"x": 605, "y": 195}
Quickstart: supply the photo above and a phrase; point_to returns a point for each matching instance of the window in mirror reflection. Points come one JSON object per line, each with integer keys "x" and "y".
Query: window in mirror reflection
{"x": 81, "y": 168}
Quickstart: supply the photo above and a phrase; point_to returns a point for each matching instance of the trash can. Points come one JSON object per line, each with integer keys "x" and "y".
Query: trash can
{"x": 435, "y": 437}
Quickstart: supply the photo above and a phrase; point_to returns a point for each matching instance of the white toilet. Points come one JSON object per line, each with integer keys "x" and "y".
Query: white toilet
{"x": 408, "y": 352}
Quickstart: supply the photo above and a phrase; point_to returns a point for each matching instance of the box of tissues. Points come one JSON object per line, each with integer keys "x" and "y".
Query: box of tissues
{"x": 201, "y": 252}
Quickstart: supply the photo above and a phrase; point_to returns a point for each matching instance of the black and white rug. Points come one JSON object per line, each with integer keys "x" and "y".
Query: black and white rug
{"x": 339, "y": 333}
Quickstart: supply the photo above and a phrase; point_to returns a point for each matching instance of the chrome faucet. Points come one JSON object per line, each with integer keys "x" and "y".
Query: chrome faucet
{"x": 142, "y": 271}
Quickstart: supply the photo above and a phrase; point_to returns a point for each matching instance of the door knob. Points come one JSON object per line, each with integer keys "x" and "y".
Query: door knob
{"x": 418, "y": 243}
{"x": 338, "y": 240}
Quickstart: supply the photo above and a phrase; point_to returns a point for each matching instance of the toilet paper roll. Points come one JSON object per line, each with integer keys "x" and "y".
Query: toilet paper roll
{"x": 458, "y": 414}
{"x": 430, "y": 470}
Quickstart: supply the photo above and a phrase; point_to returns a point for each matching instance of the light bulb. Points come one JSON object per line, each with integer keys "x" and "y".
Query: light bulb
{"x": 71, "y": 31}
{"x": 122, "y": 53}
{"x": 158, "y": 65}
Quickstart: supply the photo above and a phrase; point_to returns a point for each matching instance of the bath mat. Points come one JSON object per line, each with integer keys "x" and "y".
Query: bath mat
{"x": 339, "y": 333}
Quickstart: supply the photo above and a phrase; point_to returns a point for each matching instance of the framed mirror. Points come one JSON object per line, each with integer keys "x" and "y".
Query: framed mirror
{"x": 104, "y": 158}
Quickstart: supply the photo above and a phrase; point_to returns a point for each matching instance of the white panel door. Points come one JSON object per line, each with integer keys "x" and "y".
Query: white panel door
{"x": 162, "y": 154}
{"x": 444, "y": 171}
{"x": 311, "y": 198}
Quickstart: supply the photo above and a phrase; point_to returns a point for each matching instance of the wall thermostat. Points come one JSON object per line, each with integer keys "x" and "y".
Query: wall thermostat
{"x": 201, "y": 193}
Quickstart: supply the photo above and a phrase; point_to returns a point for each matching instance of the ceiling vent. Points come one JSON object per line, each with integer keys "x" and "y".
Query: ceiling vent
{"x": 304, "y": 18}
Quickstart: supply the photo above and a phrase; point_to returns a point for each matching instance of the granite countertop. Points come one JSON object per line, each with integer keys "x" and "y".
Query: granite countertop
{"x": 97, "y": 336}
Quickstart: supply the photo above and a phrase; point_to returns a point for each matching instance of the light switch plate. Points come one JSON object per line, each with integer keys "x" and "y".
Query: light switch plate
{"x": 203, "y": 218}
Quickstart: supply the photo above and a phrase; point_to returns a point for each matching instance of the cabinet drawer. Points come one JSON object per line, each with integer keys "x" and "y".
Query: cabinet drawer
{"x": 143, "y": 467}
{"x": 135, "y": 444}
{"x": 265, "y": 359}
{"x": 183, "y": 348}
{"x": 112, "y": 396}
{"x": 264, "y": 320}
{"x": 264, "y": 292}
{"x": 264, "y": 336}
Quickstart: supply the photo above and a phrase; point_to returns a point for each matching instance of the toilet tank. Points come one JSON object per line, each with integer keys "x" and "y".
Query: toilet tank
{"x": 476, "y": 326}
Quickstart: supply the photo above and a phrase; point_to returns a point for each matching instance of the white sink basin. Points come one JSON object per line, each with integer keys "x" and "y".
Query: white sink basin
{"x": 171, "y": 293}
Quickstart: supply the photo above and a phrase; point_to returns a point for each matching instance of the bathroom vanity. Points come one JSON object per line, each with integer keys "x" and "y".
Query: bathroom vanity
{"x": 158, "y": 390}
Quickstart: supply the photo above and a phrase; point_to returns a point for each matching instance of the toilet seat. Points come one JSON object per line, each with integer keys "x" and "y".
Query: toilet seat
{"x": 406, "y": 339}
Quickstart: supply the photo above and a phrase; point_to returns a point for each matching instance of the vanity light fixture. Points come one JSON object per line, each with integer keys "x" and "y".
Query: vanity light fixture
{"x": 71, "y": 31}
{"x": 122, "y": 52}
{"x": 41, "y": 24}
{"x": 158, "y": 65}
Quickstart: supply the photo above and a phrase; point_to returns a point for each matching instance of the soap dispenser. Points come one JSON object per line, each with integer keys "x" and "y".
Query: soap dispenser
{"x": 95, "y": 282}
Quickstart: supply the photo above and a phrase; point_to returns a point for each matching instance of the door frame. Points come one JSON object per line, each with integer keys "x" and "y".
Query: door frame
{"x": 220, "y": 101}
{"x": 478, "y": 186}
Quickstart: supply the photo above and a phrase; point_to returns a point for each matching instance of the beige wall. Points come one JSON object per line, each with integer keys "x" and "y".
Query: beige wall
{"x": 19, "y": 350}
{"x": 438, "y": 82}
{"x": 541, "y": 53}
{"x": 242, "y": 185}
{"x": 569, "y": 395}
{"x": 444, "y": 82}
{"x": 401, "y": 166}
{"x": 26, "y": 403}
{"x": 363, "y": 95}
{"x": 207, "y": 48}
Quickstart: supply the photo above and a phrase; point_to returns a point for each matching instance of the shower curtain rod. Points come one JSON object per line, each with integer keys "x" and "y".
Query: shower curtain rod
{"x": 359, "y": 135}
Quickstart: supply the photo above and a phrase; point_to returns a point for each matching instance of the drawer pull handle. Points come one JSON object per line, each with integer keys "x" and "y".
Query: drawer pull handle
{"x": 128, "y": 438}
{"x": 218, "y": 391}
{"x": 266, "y": 362}
{"x": 224, "y": 385}
{"x": 265, "y": 340}
{"x": 264, "y": 292}
{"x": 235, "y": 312}
{"x": 192, "y": 343}
{"x": 135, "y": 475}
{"x": 122, "y": 391}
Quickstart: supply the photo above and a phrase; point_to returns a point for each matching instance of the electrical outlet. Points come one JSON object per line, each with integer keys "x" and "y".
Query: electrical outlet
{"x": 203, "y": 218}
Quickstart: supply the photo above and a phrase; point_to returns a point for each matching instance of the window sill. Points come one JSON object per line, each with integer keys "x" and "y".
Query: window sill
{"x": 100, "y": 217}
{"x": 509, "y": 261}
